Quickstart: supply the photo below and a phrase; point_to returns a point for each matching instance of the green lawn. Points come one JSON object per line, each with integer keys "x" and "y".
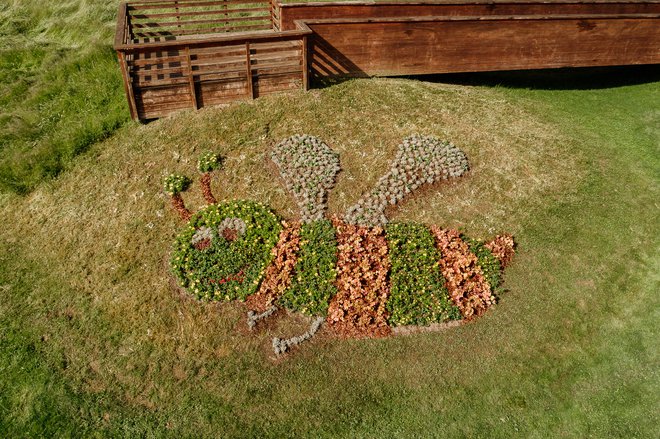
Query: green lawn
{"x": 95, "y": 341}
{"x": 60, "y": 86}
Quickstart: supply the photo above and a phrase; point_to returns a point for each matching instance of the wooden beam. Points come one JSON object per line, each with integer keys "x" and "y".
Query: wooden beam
{"x": 120, "y": 30}
{"x": 191, "y": 81}
{"x": 305, "y": 64}
{"x": 128, "y": 85}
{"x": 215, "y": 40}
{"x": 248, "y": 71}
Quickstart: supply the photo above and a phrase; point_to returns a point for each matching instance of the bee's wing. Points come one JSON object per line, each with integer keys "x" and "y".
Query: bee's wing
{"x": 309, "y": 168}
{"x": 420, "y": 160}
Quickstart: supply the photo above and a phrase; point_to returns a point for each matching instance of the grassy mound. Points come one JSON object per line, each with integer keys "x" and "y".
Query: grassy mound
{"x": 95, "y": 341}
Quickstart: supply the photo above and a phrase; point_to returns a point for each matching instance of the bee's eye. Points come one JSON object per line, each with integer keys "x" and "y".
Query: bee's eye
{"x": 232, "y": 228}
{"x": 202, "y": 238}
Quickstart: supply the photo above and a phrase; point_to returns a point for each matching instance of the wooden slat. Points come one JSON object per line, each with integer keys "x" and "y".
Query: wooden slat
{"x": 180, "y": 70}
{"x": 156, "y": 61}
{"x": 216, "y": 52}
{"x": 277, "y": 71}
{"x": 128, "y": 85}
{"x": 235, "y": 68}
{"x": 187, "y": 4}
{"x": 201, "y": 31}
{"x": 222, "y": 76}
{"x": 161, "y": 24}
{"x": 215, "y": 40}
{"x": 163, "y": 94}
{"x": 191, "y": 81}
{"x": 249, "y": 71}
{"x": 198, "y": 13}
{"x": 265, "y": 58}
{"x": 296, "y": 64}
{"x": 161, "y": 82}
{"x": 305, "y": 64}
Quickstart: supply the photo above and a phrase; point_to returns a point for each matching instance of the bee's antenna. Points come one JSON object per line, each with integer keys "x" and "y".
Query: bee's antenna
{"x": 420, "y": 160}
{"x": 174, "y": 185}
{"x": 208, "y": 162}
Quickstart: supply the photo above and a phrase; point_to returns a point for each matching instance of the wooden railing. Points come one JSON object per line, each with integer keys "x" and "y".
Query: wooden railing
{"x": 158, "y": 20}
{"x": 165, "y": 77}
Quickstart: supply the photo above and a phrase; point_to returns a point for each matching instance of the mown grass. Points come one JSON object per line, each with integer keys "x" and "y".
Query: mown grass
{"x": 60, "y": 86}
{"x": 95, "y": 340}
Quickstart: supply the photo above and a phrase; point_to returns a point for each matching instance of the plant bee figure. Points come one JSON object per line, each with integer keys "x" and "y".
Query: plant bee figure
{"x": 358, "y": 274}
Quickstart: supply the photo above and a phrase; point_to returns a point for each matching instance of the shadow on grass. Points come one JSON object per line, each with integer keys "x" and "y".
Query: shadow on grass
{"x": 584, "y": 78}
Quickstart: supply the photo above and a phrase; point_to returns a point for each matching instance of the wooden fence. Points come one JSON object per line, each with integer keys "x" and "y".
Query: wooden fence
{"x": 196, "y": 53}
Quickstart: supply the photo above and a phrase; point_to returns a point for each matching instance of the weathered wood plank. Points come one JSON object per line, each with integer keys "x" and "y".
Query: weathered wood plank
{"x": 198, "y": 13}
{"x": 248, "y": 66}
{"x": 214, "y": 40}
{"x": 128, "y": 85}
{"x": 201, "y": 31}
{"x": 165, "y": 24}
{"x": 140, "y": 6}
{"x": 290, "y": 12}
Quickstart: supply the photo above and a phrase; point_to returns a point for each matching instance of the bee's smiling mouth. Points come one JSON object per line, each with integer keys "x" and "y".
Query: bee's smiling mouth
{"x": 238, "y": 277}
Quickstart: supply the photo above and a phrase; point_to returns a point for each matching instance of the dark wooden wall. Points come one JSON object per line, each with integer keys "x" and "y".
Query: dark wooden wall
{"x": 390, "y": 47}
{"x": 290, "y": 12}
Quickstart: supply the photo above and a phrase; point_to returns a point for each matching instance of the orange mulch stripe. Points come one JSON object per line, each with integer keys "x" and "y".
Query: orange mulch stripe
{"x": 466, "y": 283}
{"x": 358, "y": 309}
{"x": 277, "y": 277}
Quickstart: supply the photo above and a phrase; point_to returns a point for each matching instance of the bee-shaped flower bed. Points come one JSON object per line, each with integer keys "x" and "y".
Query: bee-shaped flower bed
{"x": 360, "y": 274}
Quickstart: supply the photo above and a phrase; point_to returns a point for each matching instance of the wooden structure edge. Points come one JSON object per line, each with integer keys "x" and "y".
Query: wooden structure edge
{"x": 163, "y": 74}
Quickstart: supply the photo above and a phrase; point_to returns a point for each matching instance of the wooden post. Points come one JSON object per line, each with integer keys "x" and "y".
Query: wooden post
{"x": 305, "y": 64}
{"x": 248, "y": 62}
{"x": 128, "y": 85}
{"x": 273, "y": 25}
{"x": 191, "y": 81}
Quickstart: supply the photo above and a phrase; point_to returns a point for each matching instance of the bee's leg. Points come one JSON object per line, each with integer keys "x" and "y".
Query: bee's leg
{"x": 280, "y": 345}
{"x": 253, "y": 318}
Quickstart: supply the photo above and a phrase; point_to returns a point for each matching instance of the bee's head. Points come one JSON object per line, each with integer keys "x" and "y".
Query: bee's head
{"x": 222, "y": 252}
